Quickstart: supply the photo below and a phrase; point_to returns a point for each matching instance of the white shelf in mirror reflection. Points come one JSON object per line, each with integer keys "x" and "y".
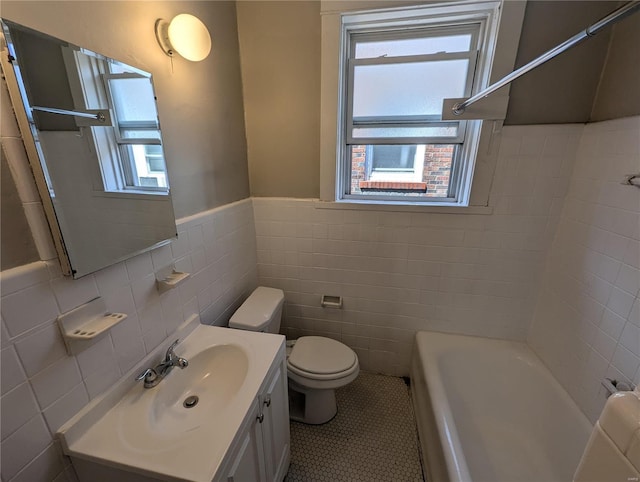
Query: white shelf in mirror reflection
{"x": 83, "y": 326}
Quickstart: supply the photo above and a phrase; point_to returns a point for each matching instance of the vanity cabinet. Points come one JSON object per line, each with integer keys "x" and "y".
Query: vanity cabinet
{"x": 238, "y": 431}
{"x": 247, "y": 461}
{"x": 262, "y": 450}
{"x": 275, "y": 426}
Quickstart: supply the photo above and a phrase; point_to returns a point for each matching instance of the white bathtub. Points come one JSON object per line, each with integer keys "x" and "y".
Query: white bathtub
{"x": 490, "y": 411}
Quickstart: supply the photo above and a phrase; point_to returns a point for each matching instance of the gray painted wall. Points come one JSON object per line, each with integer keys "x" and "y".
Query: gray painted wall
{"x": 562, "y": 90}
{"x": 280, "y": 57}
{"x": 619, "y": 90}
{"x": 200, "y": 104}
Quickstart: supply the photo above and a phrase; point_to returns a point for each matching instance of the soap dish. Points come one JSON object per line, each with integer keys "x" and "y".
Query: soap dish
{"x": 170, "y": 281}
{"x": 83, "y": 325}
{"x": 96, "y": 327}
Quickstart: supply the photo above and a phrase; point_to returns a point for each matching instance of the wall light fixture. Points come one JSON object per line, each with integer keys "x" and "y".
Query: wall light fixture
{"x": 186, "y": 35}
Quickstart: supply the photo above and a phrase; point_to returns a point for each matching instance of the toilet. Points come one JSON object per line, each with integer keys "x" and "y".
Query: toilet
{"x": 316, "y": 365}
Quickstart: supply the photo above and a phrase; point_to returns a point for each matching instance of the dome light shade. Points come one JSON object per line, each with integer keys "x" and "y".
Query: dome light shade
{"x": 186, "y": 35}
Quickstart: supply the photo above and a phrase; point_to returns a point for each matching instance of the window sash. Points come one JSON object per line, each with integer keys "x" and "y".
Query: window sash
{"x": 406, "y": 121}
{"x": 129, "y": 125}
{"x": 130, "y": 172}
{"x": 392, "y": 32}
{"x": 457, "y": 139}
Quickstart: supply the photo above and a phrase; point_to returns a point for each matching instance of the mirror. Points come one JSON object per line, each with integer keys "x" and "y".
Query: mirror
{"x": 97, "y": 149}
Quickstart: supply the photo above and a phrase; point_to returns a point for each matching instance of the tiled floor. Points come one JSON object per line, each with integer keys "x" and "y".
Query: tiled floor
{"x": 372, "y": 438}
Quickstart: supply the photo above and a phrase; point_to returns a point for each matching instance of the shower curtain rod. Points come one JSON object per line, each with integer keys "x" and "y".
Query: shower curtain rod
{"x": 615, "y": 16}
{"x": 99, "y": 116}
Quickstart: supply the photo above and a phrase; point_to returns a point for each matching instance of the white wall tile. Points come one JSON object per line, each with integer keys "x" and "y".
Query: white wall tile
{"x": 53, "y": 382}
{"x": 626, "y": 362}
{"x": 628, "y": 279}
{"x": 151, "y": 319}
{"x": 65, "y": 407}
{"x": 92, "y": 360}
{"x": 634, "y": 316}
{"x": 111, "y": 279}
{"x": 28, "y": 308}
{"x": 12, "y": 371}
{"x": 23, "y": 446}
{"x": 162, "y": 257}
{"x": 17, "y": 407}
{"x": 630, "y": 339}
{"x": 45, "y": 467}
{"x": 72, "y": 293}
{"x": 40, "y": 348}
{"x": 620, "y": 302}
{"x": 120, "y": 300}
{"x": 180, "y": 245}
{"x": 103, "y": 379}
{"x": 21, "y": 277}
{"x": 139, "y": 267}
{"x": 593, "y": 263}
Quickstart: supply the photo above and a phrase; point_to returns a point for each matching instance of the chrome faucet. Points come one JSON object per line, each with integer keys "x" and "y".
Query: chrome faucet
{"x": 153, "y": 376}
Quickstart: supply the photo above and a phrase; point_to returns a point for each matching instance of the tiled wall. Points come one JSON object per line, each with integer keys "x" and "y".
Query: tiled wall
{"x": 42, "y": 386}
{"x": 399, "y": 272}
{"x": 587, "y": 321}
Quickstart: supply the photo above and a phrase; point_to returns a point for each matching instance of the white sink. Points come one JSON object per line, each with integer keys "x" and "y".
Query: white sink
{"x": 159, "y": 415}
{"x": 152, "y": 432}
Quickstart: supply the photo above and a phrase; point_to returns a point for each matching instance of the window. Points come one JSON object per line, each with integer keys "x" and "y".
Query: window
{"x": 136, "y": 127}
{"x": 396, "y": 67}
{"x": 129, "y": 152}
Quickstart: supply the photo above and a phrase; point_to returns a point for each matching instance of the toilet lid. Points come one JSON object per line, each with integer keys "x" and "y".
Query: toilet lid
{"x": 317, "y": 354}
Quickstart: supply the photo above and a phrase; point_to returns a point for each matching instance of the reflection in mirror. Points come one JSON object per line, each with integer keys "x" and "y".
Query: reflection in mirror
{"x": 95, "y": 128}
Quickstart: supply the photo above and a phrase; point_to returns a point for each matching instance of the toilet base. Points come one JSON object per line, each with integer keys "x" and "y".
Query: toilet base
{"x": 311, "y": 406}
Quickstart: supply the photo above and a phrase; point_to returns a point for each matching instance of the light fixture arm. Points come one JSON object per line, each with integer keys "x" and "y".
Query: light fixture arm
{"x": 162, "y": 36}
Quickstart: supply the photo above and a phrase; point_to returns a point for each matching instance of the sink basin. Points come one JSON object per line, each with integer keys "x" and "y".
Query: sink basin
{"x": 214, "y": 375}
{"x": 152, "y": 431}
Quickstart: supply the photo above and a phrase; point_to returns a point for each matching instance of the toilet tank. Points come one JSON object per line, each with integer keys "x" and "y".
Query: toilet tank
{"x": 262, "y": 311}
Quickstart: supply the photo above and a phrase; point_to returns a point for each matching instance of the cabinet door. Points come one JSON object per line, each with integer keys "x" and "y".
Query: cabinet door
{"x": 248, "y": 463}
{"x": 275, "y": 428}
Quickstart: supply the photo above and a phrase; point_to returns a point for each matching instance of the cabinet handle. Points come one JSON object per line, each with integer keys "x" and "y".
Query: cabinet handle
{"x": 267, "y": 401}
{"x": 260, "y": 417}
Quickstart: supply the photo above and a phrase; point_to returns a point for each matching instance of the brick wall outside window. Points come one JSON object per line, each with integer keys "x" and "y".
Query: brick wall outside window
{"x": 435, "y": 177}
{"x": 437, "y": 169}
{"x": 357, "y": 168}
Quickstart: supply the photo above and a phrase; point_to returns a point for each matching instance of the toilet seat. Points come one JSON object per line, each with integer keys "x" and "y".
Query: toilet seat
{"x": 320, "y": 358}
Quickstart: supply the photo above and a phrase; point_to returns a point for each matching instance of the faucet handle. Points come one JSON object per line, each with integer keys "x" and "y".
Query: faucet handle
{"x": 148, "y": 375}
{"x": 182, "y": 363}
{"x": 170, "y": 354}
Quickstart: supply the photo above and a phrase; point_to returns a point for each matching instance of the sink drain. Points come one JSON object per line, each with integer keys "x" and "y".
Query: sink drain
{"x": 191, "y": 401}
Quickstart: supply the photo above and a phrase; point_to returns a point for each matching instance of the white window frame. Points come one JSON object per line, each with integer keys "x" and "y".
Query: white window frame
{"x": 502, "y": 23}
{"x": 465, "y": 133}
{"x": 126, "y": 158}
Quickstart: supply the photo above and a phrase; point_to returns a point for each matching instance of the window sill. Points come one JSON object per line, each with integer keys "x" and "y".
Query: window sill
{"x": 389, "y": 206}
{"x": 132, "y": 194}
{"x": 393, "y": 186}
